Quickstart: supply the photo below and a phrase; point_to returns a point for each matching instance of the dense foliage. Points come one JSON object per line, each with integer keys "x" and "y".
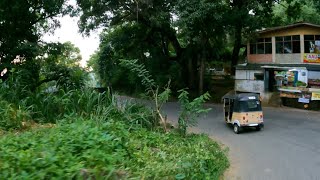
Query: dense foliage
{"x": 22, "y": 22}
{"x": 82, "y": 134}
{"x": 174, "y": 39}
{"x": 180, "y": 40}
{"x": 94, "y": 149}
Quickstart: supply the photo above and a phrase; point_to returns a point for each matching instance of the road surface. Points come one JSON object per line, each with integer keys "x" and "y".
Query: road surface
{"x": 287, "y": 148}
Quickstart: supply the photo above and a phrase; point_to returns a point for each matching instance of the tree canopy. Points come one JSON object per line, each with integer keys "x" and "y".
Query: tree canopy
{"x": 22, "y": 53}
{"x": 22, "y": 22}
{"x": 174, "y": 39}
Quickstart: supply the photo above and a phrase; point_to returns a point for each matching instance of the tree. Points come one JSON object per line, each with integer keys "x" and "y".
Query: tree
{"x": 288, "y": 12}
{"x": 202, "y": 30}
{"x": 23, "y": 22}
{"x": 60, "y": 63}
{"x": 164, "y": 37}
{"x": 244, "y": 17}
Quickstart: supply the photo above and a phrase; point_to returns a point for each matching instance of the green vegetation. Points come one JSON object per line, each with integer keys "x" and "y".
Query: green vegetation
{"x": 180, "y": 40}
{"x": 190, "y": 110}
{"x": 53, "y": 126}
{"x": 75, "y": 132}
{"x": 108, "y": 150}
{"x": 96, "y": 136}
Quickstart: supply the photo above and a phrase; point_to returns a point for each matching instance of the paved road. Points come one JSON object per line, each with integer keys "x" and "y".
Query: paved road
{"x": 287, "y": 148}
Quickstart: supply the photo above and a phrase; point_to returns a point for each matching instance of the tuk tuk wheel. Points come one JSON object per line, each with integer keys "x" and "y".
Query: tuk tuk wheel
{"x": 258, "y": 128}
{"x": 236, "y": 129}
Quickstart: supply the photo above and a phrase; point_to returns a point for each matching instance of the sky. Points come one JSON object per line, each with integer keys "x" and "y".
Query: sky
{"x": 69, "y": 31}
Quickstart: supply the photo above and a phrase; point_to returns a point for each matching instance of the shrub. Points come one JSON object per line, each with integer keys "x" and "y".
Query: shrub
{"x": 92, "y": 150}
{"x": 68, "y": 151}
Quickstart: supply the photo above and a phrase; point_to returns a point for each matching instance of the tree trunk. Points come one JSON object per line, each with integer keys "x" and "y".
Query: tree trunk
{"x": 203, "y": 58}
{"x": 201, "y": 76}
{"x": 191, "y": 74}
{"x": 236, "y": 48}
{"x": 188, "y": 62}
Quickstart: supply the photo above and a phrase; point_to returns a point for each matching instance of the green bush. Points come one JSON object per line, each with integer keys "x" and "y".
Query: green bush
{"x": 11, "y": 116}
{"x": 67, "y": 151}
{"x": 88, "y": 149}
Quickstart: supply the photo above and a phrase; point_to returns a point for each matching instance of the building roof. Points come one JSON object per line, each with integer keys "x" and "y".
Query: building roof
{"x": 310, "y": 67}
{"x": 299, "y": 24}
{"x": 241, "y": 96}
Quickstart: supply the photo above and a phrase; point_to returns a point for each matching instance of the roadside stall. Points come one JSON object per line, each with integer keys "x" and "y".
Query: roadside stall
{"x": 298, "y": 89}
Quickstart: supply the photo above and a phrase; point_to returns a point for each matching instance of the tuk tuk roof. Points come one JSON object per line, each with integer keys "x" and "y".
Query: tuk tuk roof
{"x": 240, "y": 96}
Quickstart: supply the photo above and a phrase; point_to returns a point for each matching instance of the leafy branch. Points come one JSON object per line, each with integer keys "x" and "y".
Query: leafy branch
{"x": 152, "y": 89}
{"x": 190, "y": 111}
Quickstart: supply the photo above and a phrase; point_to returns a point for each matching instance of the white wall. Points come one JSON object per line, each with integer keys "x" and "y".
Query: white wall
{"x": 249, "y": 86}
{"x": 245, "y": 82}
{"x": 246, "y": 74}
{"x": 314, "y": 75}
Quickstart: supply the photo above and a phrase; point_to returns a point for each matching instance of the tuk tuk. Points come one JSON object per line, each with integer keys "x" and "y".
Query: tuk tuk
{"x": 243, "y": 110}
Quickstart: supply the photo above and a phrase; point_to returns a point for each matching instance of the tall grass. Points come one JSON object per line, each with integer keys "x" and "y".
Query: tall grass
{"x": 12, "y": 116}
{"x": 43, "y": 107}
{"x": 50, "y": 107}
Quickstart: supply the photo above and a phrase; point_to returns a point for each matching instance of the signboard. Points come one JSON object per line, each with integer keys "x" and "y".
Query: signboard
{"x": 311, "y": 58}
{"x": 304, "y": 100}
{"x": 315, "y": 96}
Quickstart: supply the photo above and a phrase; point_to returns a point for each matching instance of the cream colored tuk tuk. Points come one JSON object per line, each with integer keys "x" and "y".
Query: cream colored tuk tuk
{"x": 243, "y": 110}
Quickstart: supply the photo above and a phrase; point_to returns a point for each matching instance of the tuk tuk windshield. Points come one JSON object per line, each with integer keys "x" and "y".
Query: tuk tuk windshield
{"x": 248, "y": 106}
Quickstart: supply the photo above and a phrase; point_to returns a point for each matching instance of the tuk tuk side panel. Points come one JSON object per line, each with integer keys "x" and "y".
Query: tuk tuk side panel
{"x": 246, "y": 118}
{"x": 227, "y": 110}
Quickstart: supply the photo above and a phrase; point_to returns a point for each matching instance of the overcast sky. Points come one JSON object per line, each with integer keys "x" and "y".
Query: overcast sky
{"x": 69, "y": 31}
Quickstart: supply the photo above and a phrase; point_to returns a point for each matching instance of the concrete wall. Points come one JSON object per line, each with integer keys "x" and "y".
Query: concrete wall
{"x": 288, "y": 58}
{"x": 253, "y": 86}
{"x": 245, "y": 81}
{"x": 314, "y": 75}
{"x": 249, "y": 86}
{"x": 246, "y": 74}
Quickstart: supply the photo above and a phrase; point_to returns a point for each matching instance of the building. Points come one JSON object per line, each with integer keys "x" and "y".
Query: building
{"x": 283, "y": 59}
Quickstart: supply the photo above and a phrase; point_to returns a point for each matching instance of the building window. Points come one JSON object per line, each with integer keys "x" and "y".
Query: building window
{"x": 258, "y": 76}
{"x": 311, "y": 43}
{"x": 262, "y": 46}
{"x": 288, "y": 44}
